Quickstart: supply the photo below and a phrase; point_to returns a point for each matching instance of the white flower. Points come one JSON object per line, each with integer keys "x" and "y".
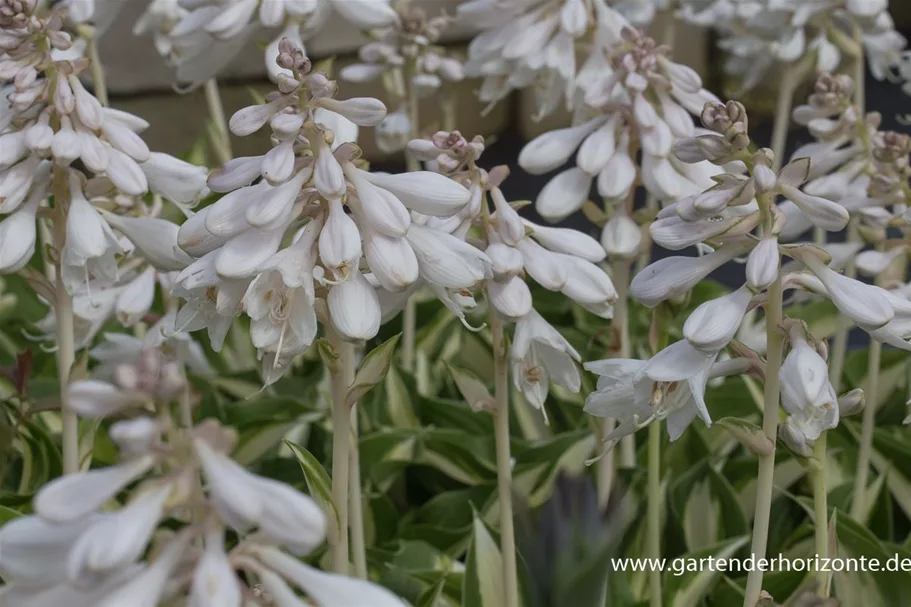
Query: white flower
{"x": 117, "y": 539}
{"x": 90, "y": 243}
{"x": 568, "y": 241}
{"x": 511, "y": 298}
{"x": 175, "y": 180}
{"x": 673, "y": 276}
{"x": 95, "y": 398}
{"x": 354, "y": 308}
{"x": 339, "y": 242}
{"x": 552, "y": 149}
{"x": 806, "y": 393}
{"x": 147, "y": 587}
{"x": 763, "y": 264}
{"x": 328, "y": 589}
{"x": 670, "y": 386}
{"x": 714, "y": 323}
{"x": 447, "y": 261}
{"x": 155, "y": 239}
{"x": 34, "y": 552}
{"x": 621, "y": 237}
{"x": 540, "y": 354}
{"x": 214, "y": 581}
{"x": 564, "y": 194}
{"x": 284, "y": 515}
{"x": 863, "y": 304}
{"x": 17, "y": 238}
{"x": 76, "y": 495}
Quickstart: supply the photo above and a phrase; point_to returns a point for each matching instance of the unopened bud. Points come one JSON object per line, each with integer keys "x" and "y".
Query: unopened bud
{"x": 831, "y": 92}
{"x": 126, "y": 377}
{"x": 851, "y": 403}
{"x": 320, "y": 86}
{"x": 889, "y": 146}
{"x": 135, "y": 435}
{"x": 715, "y": 149}
{"x": 794, "y": 439}
{"x": 171, "y": 381}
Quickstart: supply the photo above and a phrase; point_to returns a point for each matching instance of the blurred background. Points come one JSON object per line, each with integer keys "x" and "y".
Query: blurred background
{"x": 141, "y": 83}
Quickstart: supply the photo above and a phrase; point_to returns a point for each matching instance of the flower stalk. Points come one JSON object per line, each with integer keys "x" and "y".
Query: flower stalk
{"x": 786, "y": 89}
{"x": 607, "y": 464}
{"x": 356, "y": 513}
{"x": 858, "y": 502}
{"x": 654, "y": 501}
{"x": 220, "y": 137}
{"x": 342, "y": 377}
{"x": 501, "y": 442}
{"x": 821, "y": 508}
{"x": 63, "y": 308}
{"x": 99, "y": 82}
{"x": 504, "y": 463}
{"x": 771, "y": 396}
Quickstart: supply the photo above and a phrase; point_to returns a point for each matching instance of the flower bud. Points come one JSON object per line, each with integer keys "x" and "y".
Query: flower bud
{"x": 354, "y": 308}
{"x": 621, "y": 237}
{"x": 763, "y": 264}
{"x": 794, "y": 439}
{"x": 507, "y": 261}
{"x": 362, "y": 111}
{"x": 713, "y": 324}
{"x": 851, "y": 403}
{"x": 546, "y": 152}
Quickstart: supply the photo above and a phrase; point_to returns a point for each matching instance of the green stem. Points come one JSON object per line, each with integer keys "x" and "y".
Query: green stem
{"x": 99, "y": 83}
{"x": 342, "y": 377}
{"x": 860, "y": 72}
{"x": 654, "y": 511}
{"x": 765, "y": 484}
{"x": 358, "y": 538}
{"x": 670, "y": 27}
{"x": 783, "y": 114}
{"x": 607, "y": 465}
{"x": 221, "y": 140}
{"x": 504, "y": 463}
{"x": 820, "y": 503}
{"x": 858, "y": 503}
{"x": 63, "y": 310}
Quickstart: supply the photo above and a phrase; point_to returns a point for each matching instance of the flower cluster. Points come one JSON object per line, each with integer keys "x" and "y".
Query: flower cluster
{"x": 76, "y": 550}
{"x": 641, "y": 105}
{"x": 47, "y": 123}
{"x": 315, "y": 232}
{"x": 406, "y": 56}
{"x": 524, "y": 44}
{"x": 723, "y": 219}
{"x": 758, "y": 34}
{"x": 210, "y": 34}
{"x": 558, "y": 259}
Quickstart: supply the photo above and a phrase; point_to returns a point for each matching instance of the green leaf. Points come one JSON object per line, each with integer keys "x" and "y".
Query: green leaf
{"x": 472, "y": 389}
{"x": 689, "y": 589}
{"x": 483, "y": 582}
{"x": 319, "y": 485}
{"x": 372, "y": 370}
{"x": 865, "y": 587}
